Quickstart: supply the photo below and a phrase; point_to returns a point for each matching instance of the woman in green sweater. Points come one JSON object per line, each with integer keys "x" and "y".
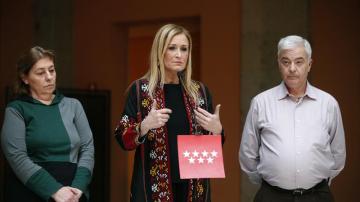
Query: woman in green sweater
{"x": 45, "y": 137}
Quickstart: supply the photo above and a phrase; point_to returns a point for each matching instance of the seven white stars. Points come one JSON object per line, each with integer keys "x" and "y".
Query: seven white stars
{"x": 201, "y": 157}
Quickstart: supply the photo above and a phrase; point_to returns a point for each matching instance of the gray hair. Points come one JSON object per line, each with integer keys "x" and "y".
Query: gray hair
{"x": 292, "y": 41}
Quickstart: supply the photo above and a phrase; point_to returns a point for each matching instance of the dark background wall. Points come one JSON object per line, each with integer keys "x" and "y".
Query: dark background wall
{"x": 263, "y": 24}
{"x": 335, "y": 31}
{"x": 237, "y": 52}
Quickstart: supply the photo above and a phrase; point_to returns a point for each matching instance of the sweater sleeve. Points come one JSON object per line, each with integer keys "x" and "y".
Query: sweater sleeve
{"x": 86, "y": 154}
{"x": 125, "y": 132}
{"x": 14, "y": 147}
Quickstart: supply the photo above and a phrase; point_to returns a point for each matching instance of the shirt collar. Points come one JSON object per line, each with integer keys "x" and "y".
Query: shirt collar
{"x": 283, "y": 91}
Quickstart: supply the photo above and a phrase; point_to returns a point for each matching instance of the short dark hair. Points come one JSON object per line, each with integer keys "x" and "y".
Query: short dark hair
{"x": 26, "y": 62}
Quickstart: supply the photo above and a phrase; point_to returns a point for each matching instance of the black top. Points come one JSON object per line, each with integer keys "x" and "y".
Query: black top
{"x": 178, "y": 124}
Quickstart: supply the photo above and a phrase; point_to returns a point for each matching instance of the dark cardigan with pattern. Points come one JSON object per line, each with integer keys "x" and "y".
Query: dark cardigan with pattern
{"x": 151, "y": 180}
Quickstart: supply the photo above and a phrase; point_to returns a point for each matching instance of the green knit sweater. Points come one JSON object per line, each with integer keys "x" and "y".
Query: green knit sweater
{"x": 34, "y": 133}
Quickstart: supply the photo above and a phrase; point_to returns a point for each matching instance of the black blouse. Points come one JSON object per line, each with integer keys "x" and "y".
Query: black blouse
{"x": 178, "y": 124}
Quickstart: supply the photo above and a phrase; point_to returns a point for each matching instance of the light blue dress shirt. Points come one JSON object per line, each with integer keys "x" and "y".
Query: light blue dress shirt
{"x": 293, "y": 144}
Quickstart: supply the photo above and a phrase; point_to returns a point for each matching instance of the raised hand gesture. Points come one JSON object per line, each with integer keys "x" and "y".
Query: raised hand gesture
{"x": 210, "y": 122}
{"x": 155, "y": 119}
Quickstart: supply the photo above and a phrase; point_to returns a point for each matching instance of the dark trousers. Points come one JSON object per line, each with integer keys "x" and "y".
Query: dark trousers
{"x": 16, "y": 191}
{"x": 180, "y": 191}
{"x": 318, "y": 193}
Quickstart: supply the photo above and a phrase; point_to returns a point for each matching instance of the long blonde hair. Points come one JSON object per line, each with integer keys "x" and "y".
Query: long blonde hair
{"x": 156, "y": 72}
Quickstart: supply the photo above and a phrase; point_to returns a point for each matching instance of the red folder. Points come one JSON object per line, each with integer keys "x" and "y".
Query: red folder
{"x": 200, "y": 156}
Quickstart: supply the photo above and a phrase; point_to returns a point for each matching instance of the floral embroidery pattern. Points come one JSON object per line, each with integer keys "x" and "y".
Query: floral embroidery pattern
{"x": 158, "y": 151}
{"x": 124, "y": 124}
{"x": 125, "y": 118}
{"x": 145, "y": 103}
{"x": 201, "y": 102}
{"x": 145, "y": 87}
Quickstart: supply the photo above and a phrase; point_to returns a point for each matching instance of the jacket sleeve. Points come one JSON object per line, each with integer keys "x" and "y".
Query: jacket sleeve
{"x": 14, "y": 147}
{"x": 250, "y": 143}
{"x": 126, "y": 132}
{"x": 86, "y": 154}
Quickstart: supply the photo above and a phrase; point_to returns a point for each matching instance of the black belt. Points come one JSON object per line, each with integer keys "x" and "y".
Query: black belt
{"x": 299, "y": 191}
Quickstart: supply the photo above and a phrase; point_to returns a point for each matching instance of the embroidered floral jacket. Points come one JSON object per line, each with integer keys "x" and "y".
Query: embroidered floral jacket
{"x": 151, "y": 180}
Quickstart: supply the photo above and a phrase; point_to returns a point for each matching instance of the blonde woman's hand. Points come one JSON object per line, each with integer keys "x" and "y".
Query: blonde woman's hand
{"x": 210, "y": 122}
{"x": 155, "y": 119}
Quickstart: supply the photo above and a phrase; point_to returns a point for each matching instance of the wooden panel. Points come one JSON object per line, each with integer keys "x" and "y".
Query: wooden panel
{"x": 335, "y": 31}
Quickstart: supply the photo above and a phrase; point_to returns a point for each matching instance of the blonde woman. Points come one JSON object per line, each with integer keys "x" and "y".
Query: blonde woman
{"x": 162, "y": 104}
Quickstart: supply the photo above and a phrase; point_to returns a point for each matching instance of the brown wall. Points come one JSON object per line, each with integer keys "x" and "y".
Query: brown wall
{"x": 335, "y": 31}
{"x": 99, "y": 58}
{"x": 13, "y": 40}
